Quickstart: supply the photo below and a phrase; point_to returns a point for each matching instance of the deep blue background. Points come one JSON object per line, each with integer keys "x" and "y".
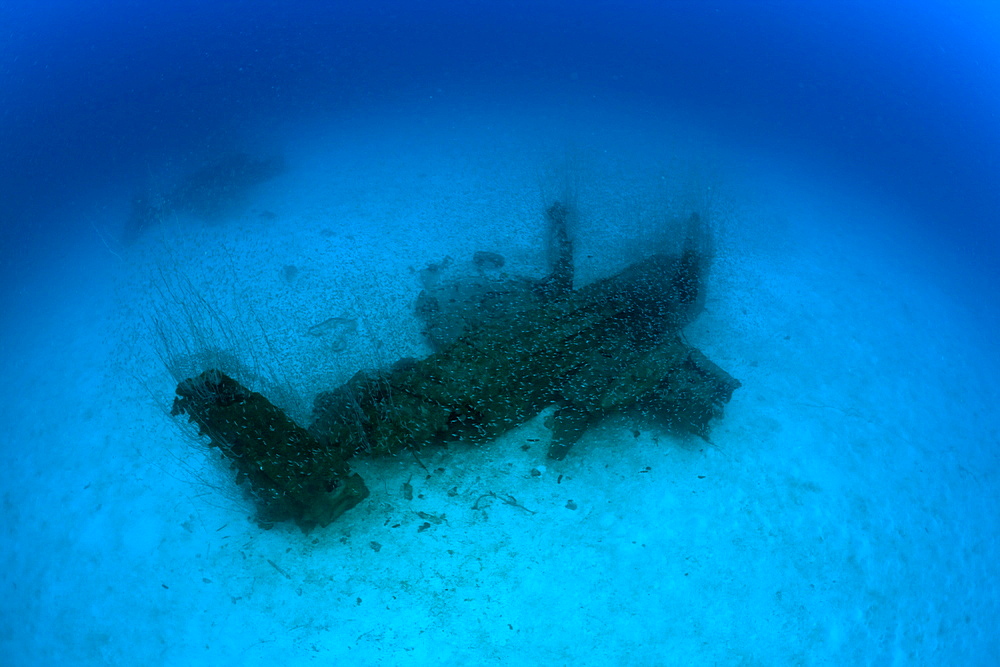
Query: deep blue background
{"x": 904, "y": 96}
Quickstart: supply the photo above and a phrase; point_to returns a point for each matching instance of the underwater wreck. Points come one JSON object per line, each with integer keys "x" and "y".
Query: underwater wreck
{"x": 505, "y": 349}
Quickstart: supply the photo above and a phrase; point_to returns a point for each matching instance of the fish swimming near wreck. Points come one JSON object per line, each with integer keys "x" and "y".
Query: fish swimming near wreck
{"x": 505, "y": 349}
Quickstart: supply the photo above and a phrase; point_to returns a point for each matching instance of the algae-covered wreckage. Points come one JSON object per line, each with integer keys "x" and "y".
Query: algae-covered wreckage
{"x": 505, "y": 349}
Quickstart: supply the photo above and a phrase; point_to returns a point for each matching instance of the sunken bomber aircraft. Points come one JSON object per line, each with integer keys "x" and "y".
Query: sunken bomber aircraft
{"x": 505, "y": 349}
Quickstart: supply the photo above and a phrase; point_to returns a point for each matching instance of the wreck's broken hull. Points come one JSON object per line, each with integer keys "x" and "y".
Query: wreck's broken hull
{"x": 606, "y": 347}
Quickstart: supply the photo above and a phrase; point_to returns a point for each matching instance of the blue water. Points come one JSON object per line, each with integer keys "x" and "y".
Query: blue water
{"x": 848, "y": 155}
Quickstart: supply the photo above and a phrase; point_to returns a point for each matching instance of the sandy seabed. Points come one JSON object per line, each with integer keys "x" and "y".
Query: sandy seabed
{"x": 844, "y": 512}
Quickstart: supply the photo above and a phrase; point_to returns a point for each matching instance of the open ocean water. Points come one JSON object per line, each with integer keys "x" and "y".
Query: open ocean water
{"x": 267, "y": 186}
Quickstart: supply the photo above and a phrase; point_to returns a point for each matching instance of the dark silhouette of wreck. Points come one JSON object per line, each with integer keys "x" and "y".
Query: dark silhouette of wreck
{"x": 505, "y": 349}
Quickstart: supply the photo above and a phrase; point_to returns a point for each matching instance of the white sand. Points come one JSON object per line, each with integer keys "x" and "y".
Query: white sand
{"x": 845, "y": 512}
